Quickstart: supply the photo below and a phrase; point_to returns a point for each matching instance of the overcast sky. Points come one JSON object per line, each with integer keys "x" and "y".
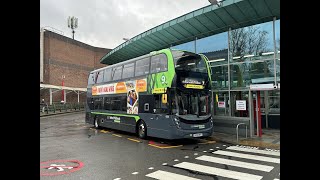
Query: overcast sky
{"x": 103, "y": 23}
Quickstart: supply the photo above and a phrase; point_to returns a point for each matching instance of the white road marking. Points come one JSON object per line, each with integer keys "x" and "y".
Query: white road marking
{"x": 117, "y": 179}
{"x": 204, "y": 151}
{"x": 248, "y": 156}
{"x": 254, "y": 150}
{"x": 218, "y": 171}
{"x": 211, "y": 149}
{"x": 223, "y": 145}
{"x": 276, "y": 179}
{"x": 164, "y": 175}
{"x": 134, "y": 173}
{"x": 151, "y": 168}
{"x": 186, "y": 157}
{"x": 236, "y": 163}
{"x": 195, "y": 154}
{"x": 217, "y": 147}
{"x": 176, "y": 160}
{"x": 164, "y": 164}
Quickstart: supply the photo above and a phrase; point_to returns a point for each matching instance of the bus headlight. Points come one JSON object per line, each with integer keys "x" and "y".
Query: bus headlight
{"x": 177, "y": 122}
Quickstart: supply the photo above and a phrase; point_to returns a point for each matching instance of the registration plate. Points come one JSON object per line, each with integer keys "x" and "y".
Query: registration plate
{"x": 197, "y": 135}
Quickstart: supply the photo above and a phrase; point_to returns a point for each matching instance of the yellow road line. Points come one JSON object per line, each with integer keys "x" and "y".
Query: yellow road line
{"x": 165, "y": 147}
{"x": 117, "y": 135}
{"x": 208, "y": 142}
{"x": 103, "y": 131}
{"x": 133, "y": 140}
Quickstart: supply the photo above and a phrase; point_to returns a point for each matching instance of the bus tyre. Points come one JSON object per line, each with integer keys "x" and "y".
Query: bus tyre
{"x": 96, "y": 125}
{"x": 142, "y": 130}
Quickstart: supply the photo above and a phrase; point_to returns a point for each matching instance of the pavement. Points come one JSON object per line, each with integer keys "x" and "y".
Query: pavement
{"x": 270, "y": 139}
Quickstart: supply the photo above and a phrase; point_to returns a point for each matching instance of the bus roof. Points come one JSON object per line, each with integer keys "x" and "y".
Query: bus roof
{"x": 140, "y": 57}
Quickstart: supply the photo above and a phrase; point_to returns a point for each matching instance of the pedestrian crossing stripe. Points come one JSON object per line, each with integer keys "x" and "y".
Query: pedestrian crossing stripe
{"x": 164, "y": 175}
{"x": 247, "y": 156}
{"x": 254, "y": 150}
{"x": 218, "y": 171}
{"x": 236, "y": 163}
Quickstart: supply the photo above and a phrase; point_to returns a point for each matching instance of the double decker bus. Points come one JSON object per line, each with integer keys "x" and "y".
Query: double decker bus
{"x": 165, "y": 94}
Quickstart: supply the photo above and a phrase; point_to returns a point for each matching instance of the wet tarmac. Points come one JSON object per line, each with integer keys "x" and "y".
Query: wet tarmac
{"x": 71, "y": 149}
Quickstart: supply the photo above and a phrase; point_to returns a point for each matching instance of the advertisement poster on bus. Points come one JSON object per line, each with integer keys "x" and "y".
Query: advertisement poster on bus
{"x": 131, "y": 88}
{"x": 120, "y": 87}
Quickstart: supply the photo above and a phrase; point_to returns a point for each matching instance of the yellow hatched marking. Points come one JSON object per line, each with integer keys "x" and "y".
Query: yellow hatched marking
{"x": 116, "y": 135}
{"x": 165, "y": 147}
{"x": 208, "y": 142}
{"x": 133, "y": 140}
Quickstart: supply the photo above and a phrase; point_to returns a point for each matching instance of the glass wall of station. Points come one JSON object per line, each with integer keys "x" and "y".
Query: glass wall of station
{"x": 244, "y": 56}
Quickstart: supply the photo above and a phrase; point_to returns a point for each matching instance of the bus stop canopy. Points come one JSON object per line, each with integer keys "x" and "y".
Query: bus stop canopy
{"x": 49, "y": 86}
{"x": 198, "y": 24}
{"x": 53, "y": 89}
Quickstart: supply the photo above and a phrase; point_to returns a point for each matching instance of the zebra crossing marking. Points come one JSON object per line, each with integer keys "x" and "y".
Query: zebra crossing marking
{"x": 218, "y": 171}
{"x": 254, "y": 150}
{"x": 235, "y": 163}
{"x": 248, "y": 156}
{"x": 164, "y": 175}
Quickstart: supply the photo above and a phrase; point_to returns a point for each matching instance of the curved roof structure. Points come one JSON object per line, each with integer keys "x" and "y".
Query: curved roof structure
{"x": 200, "y": 23}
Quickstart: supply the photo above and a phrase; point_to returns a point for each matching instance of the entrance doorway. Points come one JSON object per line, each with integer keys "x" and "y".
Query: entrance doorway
{"x": 266, "y": 110}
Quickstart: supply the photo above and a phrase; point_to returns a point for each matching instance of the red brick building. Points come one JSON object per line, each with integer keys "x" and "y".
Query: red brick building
{"x": 63, "y": 56}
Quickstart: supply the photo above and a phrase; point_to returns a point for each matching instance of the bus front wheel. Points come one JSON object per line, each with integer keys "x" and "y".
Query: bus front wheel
{"x": 142, "y": 130}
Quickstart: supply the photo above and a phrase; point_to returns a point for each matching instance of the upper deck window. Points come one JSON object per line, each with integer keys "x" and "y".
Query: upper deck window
{"x": 159, "y": 63}
{"x": 107, "y": 75}
{"x": 189, "y": 62}
{"x": 142, "y": 67}
{"x": 128, "y": 70}
{"x": 91, "y": 78}
{"x": 99, "y": 76}
{"x": 116, "y": 73}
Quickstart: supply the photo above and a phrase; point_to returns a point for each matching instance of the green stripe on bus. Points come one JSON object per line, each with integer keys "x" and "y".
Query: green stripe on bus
{"x": 135, "y": 117}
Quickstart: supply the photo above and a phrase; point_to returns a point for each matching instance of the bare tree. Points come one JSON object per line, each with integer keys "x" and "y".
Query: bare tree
{"x": 248, "y": 40}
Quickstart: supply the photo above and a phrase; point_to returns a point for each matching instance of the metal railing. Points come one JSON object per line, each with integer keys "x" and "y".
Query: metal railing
{"x": 58, "y": 107}
{"x": 237, "y": 130}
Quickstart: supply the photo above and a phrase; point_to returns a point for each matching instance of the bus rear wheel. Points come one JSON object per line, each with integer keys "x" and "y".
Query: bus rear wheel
{"x": 142, "y": 130}
{"x": 96, "y": 125}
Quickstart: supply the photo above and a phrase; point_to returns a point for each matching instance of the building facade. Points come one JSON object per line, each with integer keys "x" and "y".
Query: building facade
{"x": 66, "y": 62}
{"x": 248, "y": 58}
